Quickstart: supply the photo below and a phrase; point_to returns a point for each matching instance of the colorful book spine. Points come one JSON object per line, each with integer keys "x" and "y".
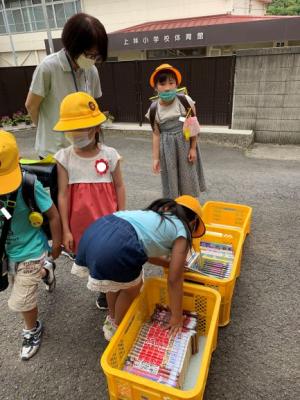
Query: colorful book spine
{"x": 162, "y": 357}
{"x": 215, "y": 260}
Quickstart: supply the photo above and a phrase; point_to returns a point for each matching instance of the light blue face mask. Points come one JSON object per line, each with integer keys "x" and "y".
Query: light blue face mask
{"x": 168, "y": 96}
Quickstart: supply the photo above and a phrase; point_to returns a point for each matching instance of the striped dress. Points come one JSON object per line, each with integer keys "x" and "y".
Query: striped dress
{"x": 178, "y": 175}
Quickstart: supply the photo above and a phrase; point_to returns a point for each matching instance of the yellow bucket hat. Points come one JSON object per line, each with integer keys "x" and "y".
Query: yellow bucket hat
{"x": 165, "y": 67}
{"x": 78, "y": 111}
{"x": 10, "y": 171}
{"x": 193, "y": 204}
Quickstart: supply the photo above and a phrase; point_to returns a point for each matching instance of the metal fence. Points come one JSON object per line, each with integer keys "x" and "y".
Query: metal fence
{"x": 14, "y": 85}
{"x": 126, "y": 90}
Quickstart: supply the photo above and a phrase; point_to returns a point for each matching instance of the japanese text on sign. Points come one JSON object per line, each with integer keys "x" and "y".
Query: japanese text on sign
{"x": 148, "y": 39}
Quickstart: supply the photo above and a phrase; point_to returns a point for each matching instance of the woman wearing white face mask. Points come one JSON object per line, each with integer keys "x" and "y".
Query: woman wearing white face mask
{"x": 71, "y": 69}
{"x": 90, "y": 183}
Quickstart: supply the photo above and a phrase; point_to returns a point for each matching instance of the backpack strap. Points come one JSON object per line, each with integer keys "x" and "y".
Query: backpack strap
{"x": 5, "y": 228}
{"x": 153, "y": 108}
{"x": 152, "y": 113}
{"x": 28, "y": 191}
{"x": 183, "y": 100}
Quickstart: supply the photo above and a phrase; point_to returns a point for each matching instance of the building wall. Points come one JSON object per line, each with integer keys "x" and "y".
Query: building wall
{"x": 245, "y": 7}
{"x": 267, "y": 94}
{"x": 25, "y": 44}
{"x": 118, "y": 14}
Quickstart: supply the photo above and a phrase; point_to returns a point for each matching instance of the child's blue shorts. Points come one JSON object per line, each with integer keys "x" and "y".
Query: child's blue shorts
{"x": 111, "y": 250}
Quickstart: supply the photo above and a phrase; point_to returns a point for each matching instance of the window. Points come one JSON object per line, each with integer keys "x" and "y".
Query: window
{"x": 51, "y": 18}
{"x": 2, "y": 25}
{"x": 28, "y": 16}
{"x": 60, "y": 15}
{"x": 17, "y": 17}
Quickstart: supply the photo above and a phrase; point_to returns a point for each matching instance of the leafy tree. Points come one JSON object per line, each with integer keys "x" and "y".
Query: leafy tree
{"x": 284, "y": 7}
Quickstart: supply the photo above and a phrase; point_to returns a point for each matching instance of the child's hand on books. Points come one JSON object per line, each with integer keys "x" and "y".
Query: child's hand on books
{"x": 175, "y": 324}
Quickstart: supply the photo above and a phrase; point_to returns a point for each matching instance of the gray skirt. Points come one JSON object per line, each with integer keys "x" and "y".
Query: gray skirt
{"x": 178, "y": 175}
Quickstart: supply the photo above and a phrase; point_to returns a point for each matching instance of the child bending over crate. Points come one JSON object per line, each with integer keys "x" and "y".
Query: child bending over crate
{"x": 113, "y": 250}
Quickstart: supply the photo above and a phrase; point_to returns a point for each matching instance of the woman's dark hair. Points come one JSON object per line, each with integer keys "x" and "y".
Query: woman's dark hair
{"x": 82, "y": 32}
{"x": 163, "y": 75}
{"x": 163, "y": 207}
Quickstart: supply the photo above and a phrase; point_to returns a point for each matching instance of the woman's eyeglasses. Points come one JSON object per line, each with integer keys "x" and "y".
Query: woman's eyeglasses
{"x": 96, "y": 57}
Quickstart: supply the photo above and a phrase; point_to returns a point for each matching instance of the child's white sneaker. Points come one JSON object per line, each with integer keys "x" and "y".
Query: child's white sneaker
{"x": 71, "y": 256}
{"x": 109, "y": 328}
{"x": 31, "y": 341}
{"x": 49, "y": 279}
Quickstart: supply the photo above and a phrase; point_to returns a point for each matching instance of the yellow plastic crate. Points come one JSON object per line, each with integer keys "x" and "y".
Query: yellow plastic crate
{"x": 228, "y": 215}
{"x": 224, "y": 286}
{"x": 123, "y": 385}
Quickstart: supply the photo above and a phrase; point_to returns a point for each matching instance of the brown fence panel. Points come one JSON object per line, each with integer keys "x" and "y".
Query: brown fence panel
{"x": 107, "y": 101}
{"x": 14, "y": 85}
{"x": 119, "y": 86}
{"x": 126, "y": 89}
{"x": 210, "y": 88}
{"x": 222, "y": 91}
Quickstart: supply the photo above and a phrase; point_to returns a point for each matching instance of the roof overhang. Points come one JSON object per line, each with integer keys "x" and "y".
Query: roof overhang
{"x": 280, "y": 29}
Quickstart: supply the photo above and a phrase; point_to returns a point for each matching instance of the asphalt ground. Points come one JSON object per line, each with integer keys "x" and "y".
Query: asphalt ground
{"x": 257, "y": 355}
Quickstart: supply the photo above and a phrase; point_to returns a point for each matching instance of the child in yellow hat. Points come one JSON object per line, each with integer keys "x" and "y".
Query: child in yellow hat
{"x": 25, "y": 245}
{"x": 90, "y": 183}
{"x": 113, "y": 250}
{"x": 89, "y": 173}
{"x": 176, "y": 157}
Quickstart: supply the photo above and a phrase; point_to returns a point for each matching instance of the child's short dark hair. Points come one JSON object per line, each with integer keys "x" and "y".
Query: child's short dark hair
{"x": 82, "y": 32}
{"x": 163, "y": 75}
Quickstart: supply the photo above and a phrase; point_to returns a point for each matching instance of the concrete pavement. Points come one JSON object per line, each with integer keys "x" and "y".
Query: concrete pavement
{"x": 256, "y": 357}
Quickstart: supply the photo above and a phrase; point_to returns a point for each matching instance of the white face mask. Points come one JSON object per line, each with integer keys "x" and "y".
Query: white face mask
{"x": 79, "y": 139}
{"x": 84, "y": 62}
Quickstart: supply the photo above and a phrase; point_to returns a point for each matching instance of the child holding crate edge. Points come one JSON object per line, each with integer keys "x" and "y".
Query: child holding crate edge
{"x": 113, "y": 250}
{"x": 176, "y": 154}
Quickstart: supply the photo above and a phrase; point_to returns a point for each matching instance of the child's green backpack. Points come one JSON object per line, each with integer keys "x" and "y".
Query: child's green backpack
{"x": 46, "y": 173}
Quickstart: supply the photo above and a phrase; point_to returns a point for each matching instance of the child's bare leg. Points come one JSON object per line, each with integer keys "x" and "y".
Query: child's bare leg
{"x": 111, "y": 298}
{"x": 30, "y": 318}
{"x": 124, "y": 301}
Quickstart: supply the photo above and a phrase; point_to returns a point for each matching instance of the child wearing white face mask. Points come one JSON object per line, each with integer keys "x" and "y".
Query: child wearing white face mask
{"x": 90, "y": 183}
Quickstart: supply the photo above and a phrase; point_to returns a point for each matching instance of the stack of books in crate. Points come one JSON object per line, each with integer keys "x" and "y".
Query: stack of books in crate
{"x": 215, "y": 260}
{"x": 162, "y": 357}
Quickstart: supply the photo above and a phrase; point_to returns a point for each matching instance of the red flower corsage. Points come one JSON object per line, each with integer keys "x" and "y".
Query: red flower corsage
{"x": 101, "y": 166}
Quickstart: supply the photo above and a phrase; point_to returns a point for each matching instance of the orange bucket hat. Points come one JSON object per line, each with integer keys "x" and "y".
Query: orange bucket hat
{"x": 193, "y": 204}
{"x": 165, "y": 67}
{"x": 78, "y": 111}
{"x": 10, "y": 171}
